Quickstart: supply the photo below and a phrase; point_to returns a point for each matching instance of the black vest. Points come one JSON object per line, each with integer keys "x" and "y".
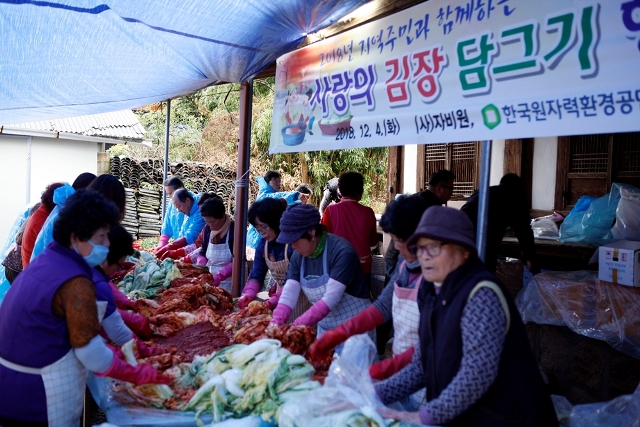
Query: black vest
{"x": 518, "y": 396}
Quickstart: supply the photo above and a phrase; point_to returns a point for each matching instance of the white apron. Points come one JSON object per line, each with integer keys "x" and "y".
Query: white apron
{"x": 406, "y": 322}
{"x": 314, "y": 287}
{"x": 278, "y": 270}
{"x": 219, "y": 256}
{"x": 64, "y": 384}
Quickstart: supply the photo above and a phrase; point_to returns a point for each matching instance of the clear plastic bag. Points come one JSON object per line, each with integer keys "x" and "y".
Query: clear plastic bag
{"x": 586, "y": 305}
{"x": 348, "y": 396}
{"x": 621, "y": 411}
{"x": 627, "y": 224}
{"x": 546, "y": 227}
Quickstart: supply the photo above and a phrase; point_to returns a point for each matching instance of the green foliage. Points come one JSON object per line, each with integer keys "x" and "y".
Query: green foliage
{"x": 205, "y": 123}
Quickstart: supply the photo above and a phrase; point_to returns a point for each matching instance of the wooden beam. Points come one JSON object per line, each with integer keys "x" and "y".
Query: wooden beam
{"x": 421, "y": 178}
{"x": 512, "y": 157}
{"x": 562, "y": 170}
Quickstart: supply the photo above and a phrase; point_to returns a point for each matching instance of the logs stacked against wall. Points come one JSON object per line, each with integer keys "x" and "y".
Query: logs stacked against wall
{"x": 143, "y": 179}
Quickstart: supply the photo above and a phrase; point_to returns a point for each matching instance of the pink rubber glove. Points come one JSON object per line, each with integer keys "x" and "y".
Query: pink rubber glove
{"x": 137, "y": 323}
{"x": 281, "y": 314}
{"x": 223, "y": 274}
{"x": 145, "y": 350}
{"x": 201, "y": 260}
{"x": 121, "y": 299}
{"x": 162, "y": 241}
{"x": 249, "y": 293}
{"x": 316, "y": 313}
{"x": 141, "y": 374}
{"x": 273, "y": 301}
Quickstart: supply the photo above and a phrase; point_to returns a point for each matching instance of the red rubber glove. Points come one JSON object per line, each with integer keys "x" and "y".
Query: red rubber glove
{"x": 145, "y": 350}
{"x": 173, "y": 254}
{"x": 388, "y": 367}
{"x": 162, "y": 241}
{"x": 186, "y": 260}
{"x": 122, "y": 302}
{"x": 141, "y": 374}
{"x": 176, "y": 244}
{"x": 364, "y": 321}
{"x": 138, "y": 323}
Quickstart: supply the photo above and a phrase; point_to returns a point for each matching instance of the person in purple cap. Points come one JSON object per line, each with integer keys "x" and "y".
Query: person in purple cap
{"x": 473, "y": 354}
{"x": 325, "y": 267}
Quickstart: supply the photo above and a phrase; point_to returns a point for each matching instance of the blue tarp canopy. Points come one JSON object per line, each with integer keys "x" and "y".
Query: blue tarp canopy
{"x": 70, "y": 58}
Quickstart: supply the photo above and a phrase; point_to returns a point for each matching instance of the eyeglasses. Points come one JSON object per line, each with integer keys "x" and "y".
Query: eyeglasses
{"x": 431, "y": 249}
{"x": 262, "y": 229}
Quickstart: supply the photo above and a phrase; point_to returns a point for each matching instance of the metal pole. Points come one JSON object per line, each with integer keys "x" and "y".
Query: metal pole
{"x": 483, "y": 202}
{"x": 166, "y": 157}
{"x": 242, "y": 188}
{"x": 28, "y": 169}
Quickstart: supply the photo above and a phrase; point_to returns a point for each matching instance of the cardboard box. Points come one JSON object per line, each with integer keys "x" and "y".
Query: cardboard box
{"x": 619, "y": 262}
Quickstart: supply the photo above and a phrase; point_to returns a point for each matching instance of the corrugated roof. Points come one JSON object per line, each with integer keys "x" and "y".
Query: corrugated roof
{"x": 122, "y": 125}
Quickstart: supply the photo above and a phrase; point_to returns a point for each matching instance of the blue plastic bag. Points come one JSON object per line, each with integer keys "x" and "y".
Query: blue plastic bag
{"x": 594, "y": 224}
{"x": 571, "y": 227}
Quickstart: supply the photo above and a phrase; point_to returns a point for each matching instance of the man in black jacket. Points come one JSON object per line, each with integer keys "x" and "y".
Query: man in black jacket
{"x": 507, "y": 208}
{"x": 438, "y": 192}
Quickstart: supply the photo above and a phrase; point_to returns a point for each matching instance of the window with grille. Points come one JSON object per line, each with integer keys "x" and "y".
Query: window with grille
{"x": 589, "y": 164}
{"x": 462, "y": 158}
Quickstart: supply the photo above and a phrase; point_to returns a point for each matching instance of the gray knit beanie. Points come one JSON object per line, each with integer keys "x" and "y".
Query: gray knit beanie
{"x": 297, "y": 220}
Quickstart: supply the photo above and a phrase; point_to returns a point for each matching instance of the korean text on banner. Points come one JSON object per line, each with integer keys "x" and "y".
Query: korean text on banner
{"x": 464, "y": 70}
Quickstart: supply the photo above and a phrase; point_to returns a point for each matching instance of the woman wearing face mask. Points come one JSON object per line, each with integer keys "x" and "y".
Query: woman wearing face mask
{"x": 271, "y": 256}
{"x": 49, "y": 328}
{"x": 119, "y": 325}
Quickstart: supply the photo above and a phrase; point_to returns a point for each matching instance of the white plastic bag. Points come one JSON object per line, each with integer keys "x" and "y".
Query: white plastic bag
{"x": 627, "y": 224}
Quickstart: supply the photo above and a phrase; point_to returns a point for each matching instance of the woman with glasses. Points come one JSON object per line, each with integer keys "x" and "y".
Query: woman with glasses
{"x": 325, "y": 267}
{"x": 473, "y": 355}
{"x": 271, "y": 257}
{"x": 270, "y": 187}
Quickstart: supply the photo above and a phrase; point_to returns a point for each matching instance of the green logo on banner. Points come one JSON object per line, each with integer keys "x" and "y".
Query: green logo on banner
{"x": 491, "y": 116}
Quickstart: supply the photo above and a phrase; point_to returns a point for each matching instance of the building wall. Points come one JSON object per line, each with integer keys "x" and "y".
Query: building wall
{"x": 545, "y": 157}
{"x": 545, "y": 153}
{"x": 51, "y": 160}
{"x": 410, "y": 174}
{"x": 497, "y": 161}
{"x": 13, "y": 164}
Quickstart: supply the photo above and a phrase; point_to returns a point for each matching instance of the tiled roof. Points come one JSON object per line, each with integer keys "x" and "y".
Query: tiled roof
{"x": 121, "y": 125}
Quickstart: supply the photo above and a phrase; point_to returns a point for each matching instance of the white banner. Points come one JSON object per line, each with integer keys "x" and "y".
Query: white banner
{"x": 464, "y": 70}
